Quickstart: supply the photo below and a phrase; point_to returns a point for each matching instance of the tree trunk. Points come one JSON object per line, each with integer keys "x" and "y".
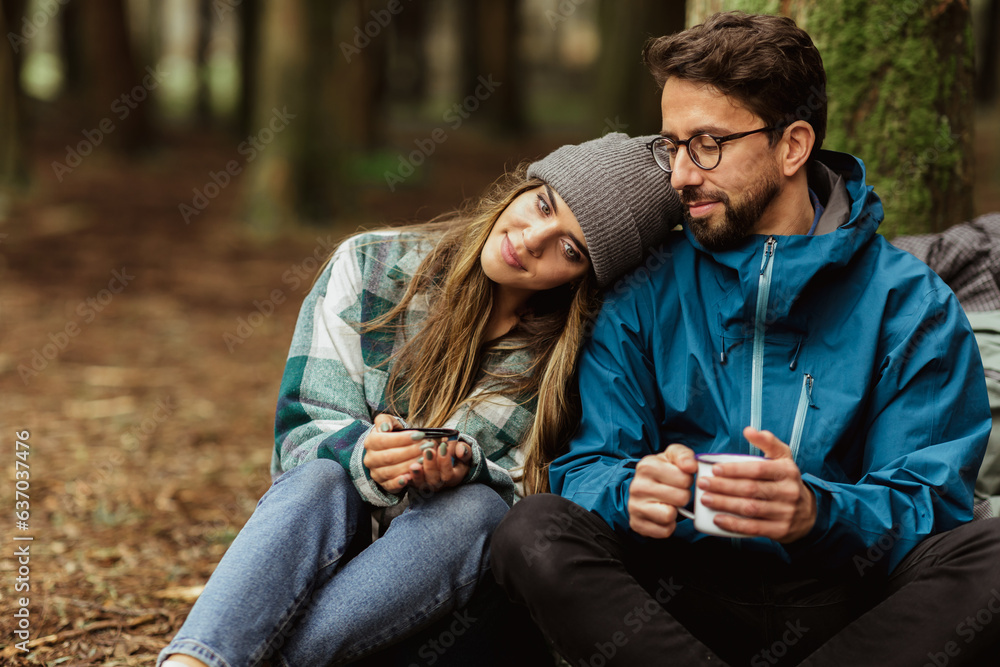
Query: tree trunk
{"x": 203, "y": 98}
{"x": 12, "y": 171}
{"x": 117, "y": 91}
{"x": 71, "y": 47}
{"x": 16, "y": 34}
{"x": 489, "y": 34}
{"x": 629, "y": 98}
{"x": 900, "y": 95}
{"x": 303, "y": 79}
{"x": 988, "y": 48}
{"x": 250, "y": 44}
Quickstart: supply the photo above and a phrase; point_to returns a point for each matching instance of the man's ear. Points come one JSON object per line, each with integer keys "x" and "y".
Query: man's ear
{"x": 797, "y": 143}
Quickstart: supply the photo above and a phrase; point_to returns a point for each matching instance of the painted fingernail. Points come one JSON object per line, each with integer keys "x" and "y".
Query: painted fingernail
{"x": 384, "y": 427}
{"x": 426, "y": 444}
{"x": 429, "y": 454}
{"x": 460, "y": 450}
{"x": 402, "y": 481}
{"x": 418, "y": 435}
{"x": 443, "y": 449}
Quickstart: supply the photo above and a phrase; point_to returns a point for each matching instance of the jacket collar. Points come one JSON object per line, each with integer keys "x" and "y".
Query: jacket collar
{"x": 853, "y": 213}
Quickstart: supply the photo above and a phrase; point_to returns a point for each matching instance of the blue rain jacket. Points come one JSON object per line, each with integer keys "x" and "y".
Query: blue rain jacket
{"x": 851, "y": 351}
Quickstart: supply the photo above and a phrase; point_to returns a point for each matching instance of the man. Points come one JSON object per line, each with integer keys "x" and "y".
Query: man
{"x": 782, "y": 326}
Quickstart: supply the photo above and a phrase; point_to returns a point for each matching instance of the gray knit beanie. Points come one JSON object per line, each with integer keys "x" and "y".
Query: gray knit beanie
{"x": 622, "y": 199}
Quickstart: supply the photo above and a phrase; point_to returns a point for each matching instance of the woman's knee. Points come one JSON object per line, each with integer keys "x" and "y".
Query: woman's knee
{"x": 319, "y": 480}
{"x": 466, "y": 511}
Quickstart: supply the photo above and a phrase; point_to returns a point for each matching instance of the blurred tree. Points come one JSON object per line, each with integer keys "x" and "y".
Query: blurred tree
{"x": 249, "y": 14}
{"x": 71, "y": 45}
{"x": 15, "y": 17}
{"x": 987, "y": 79}
{"x": 12, "y": 169}
{"x": 318, "y": 79}
{"x": 900, "y": 97}
{"x": 203, "y": 97}
{"x": 410, "y": 54}
{"x": 489, "y": 34}
{"x": 114, "y": 88}
{"x": 629, "y": 100}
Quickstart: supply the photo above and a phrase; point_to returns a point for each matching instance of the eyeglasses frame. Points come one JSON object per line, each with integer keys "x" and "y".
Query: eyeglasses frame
{"x": 718, "y": 140}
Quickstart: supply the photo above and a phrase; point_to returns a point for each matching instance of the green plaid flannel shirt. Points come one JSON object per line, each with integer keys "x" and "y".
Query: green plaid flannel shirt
{"x": 335, "y": 377}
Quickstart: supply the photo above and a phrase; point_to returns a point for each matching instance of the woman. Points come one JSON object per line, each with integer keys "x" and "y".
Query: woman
{"x": 472, "y": 323}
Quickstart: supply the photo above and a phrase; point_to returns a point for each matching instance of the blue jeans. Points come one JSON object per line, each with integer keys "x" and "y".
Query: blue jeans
{"x": 298, "y": 587}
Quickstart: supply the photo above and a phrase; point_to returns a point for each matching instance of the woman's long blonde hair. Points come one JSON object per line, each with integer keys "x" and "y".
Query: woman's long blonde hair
{"x": 437, "y": 369}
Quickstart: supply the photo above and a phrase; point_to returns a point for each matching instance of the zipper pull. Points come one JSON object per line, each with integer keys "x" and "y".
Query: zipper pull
{"x": 768, "y": 251}
{"x": 809, "y": 390}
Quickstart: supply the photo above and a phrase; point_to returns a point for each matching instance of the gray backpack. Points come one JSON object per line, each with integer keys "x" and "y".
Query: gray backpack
{"x": 986, "y": 325}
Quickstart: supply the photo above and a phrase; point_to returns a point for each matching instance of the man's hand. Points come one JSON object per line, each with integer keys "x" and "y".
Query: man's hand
{"x": 768, "y": 495}
{"x": 662, "y": 483}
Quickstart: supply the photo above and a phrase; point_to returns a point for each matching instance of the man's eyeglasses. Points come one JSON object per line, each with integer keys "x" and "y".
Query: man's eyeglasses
{"x": 705, "y": 149}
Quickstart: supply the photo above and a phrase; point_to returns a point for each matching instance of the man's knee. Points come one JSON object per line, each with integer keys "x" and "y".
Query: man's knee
{"x": 980, "y": 539}
{"x": 531, "y": 538}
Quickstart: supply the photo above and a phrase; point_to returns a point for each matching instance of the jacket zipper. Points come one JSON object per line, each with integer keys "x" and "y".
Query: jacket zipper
{"x": 757, "y": 372}
{"x": 805, "y": 400}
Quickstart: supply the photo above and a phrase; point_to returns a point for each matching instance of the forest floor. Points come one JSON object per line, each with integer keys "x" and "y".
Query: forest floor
{"x": 140, "y": 364}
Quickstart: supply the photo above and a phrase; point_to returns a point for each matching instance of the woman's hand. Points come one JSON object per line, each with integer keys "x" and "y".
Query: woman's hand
{"x": 435, "y": 470}
{"x": 389, "y": 453}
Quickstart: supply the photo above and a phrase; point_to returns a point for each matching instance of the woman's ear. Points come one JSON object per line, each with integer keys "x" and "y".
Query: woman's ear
{"x": 797, "y": 143}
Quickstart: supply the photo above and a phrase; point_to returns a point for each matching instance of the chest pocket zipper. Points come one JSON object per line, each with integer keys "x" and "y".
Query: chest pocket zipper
{"x": 805, "y": 401}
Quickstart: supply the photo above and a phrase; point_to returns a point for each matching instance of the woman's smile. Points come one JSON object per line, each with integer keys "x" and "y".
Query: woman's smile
{"x": 509, "y": 254}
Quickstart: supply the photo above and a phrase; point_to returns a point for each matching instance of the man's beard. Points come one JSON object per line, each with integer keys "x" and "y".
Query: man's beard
{"x": 739, "y": 219}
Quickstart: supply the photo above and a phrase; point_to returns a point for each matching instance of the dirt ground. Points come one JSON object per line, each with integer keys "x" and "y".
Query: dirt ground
{"x": 139, "y": 363}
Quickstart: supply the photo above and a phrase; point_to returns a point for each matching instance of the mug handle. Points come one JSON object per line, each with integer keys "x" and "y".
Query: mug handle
{"x": 685, "y": 512}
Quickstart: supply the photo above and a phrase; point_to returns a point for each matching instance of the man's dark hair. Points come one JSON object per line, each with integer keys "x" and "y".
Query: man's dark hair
{"x": 767, "y": 63}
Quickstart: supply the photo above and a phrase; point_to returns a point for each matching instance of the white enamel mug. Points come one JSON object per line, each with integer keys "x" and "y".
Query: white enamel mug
{"x": 704, "y": 517}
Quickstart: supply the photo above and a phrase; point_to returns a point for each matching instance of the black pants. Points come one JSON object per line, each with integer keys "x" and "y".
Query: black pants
{"x": 605, "y": 599}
